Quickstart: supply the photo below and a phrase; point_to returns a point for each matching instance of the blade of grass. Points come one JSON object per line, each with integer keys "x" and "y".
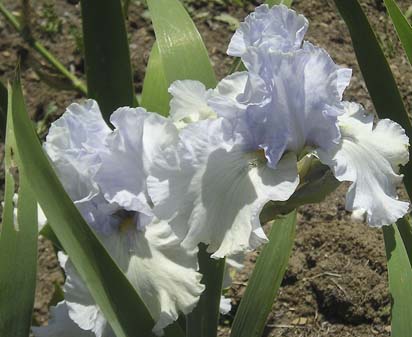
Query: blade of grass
{"x": 265, "y": 281}
{"x": 107, "y": 56}
{"x": 402, "y": 27}
{"x": 116, "y": 297}
{"x": 18, "y": 246}
{"x": 400, "y": 280}
{"x": 155, "y": 96}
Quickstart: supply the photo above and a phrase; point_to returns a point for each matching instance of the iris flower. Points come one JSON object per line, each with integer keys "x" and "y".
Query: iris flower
{"x": 83, "y": 150}
{"x": 240, "y": 142}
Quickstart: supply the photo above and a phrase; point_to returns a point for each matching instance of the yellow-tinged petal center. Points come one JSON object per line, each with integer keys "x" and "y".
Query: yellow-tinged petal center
{"x": 127, "y": 224}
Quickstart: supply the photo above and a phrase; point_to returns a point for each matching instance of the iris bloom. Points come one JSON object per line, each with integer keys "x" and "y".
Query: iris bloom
{"x": 85, "y": 153}
{"x": 255, "y": 125}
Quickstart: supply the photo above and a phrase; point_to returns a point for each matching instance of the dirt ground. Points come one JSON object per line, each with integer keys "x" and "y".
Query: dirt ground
{"x": 336, "y": 283}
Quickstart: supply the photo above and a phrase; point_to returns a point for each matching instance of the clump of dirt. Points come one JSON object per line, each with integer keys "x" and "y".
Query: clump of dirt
{"x": 336, "y": 283}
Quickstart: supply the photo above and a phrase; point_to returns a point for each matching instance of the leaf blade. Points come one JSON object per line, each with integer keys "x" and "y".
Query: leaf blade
{"x": 265, "y": 281}
{"x": 402, "y": 27}
{"x": 155, "y": 96}
{"x": 182, "y": 51}
{"x": 107, "y": 55}
{"x": 400, "y": 280}
{"x": 18, "y": 246}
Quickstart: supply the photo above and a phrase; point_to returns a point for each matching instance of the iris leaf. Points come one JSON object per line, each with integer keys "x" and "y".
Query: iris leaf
{"x": 400, "y": 280}
{"x": 107, "y": 55}
{"x": 18, "y": 241}
{"x": 155, "y": 96}
{"x": 266, "y": 278}
{"x": 182, "y": 51}
{"x": 402, "y": 27}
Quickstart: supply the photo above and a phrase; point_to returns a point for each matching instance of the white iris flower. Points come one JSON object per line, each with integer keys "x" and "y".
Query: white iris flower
{"x": 222, "y": 170}
{"x": 104, "y": 173}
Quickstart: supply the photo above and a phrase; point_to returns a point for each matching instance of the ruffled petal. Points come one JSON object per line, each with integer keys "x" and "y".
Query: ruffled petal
{"x": 163, "y": 273}
{"x": 61, "y": 325}
{"x": 223, "y": 187}
{"x": 189, "y": 102}
{"x": 225, "y": 97}
{"x": 121, "y": 176}
{"x": 278, "y": 28}
{"x": 292, "y": 100}
{"x": 81, "y": 306}
{"x": 370, "y": 158}
{"x": 74, "y": 144}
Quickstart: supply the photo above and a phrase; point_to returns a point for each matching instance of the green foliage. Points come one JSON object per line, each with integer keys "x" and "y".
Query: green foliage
{"x": 265, "y": 281}
{"x": 402, "y": 26}
{"x": 155, "y": 85}
{"x": 400, "y": 280}
{"x": 18, "y": 240}
{"x": 107, "y": 56}
{"x": 107, "y": 284}
{"x": 182, "y": 51}
{"x": 51, "y": 24}
{"x": 203, "y": 321}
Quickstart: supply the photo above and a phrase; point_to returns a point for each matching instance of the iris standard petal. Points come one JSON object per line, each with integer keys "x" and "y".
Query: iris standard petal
{"x": 74, "y": 144}
{"x": 277, "y": 28}
{"x": 370, "y": 158}
{"x": 290, "y": 101}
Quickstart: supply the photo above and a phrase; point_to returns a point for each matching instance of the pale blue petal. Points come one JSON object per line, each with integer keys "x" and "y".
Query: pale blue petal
{"x": 74, "y": 144}
{"x": 278, "y": 28}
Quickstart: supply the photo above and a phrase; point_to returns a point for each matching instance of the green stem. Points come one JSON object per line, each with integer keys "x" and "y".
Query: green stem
{"x": 76, "y": 82}
{"x": 204, "y": 319}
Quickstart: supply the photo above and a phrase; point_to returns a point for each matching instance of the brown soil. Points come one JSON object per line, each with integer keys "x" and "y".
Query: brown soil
{"x": 336, "y": 283}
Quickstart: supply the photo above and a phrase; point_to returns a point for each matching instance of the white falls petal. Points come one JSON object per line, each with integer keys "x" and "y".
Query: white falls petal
{"x": 81, "y": 306}
{"x": 163, "y": 273}
{"x": 74, "y": 143}
{"x": 223, "y": 187}
{"x": 370, "y": 158}
{"x": 61, "y": 325}
{"x": 189, "y": 102}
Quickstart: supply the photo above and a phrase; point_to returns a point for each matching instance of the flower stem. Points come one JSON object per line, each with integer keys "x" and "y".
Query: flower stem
{"x": 76, "y": 82}
{"x": 204, "y": 319}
